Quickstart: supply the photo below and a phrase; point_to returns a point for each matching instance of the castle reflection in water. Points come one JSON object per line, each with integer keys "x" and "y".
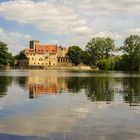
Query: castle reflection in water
{"x": 96, "y": 87}
{"x": 49, "y": 84}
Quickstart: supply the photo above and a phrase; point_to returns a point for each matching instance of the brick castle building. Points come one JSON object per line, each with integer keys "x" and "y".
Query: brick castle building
{"x": 46, "y": 55}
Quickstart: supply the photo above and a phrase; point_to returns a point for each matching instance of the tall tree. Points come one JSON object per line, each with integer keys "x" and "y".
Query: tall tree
{"x": 100, "y": 48}
{"x": 131, "y": 49}
{"x": 6, "y": 58}
{"x": 75, "y": 54}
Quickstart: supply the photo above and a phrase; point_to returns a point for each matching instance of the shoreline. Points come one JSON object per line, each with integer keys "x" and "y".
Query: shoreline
{"x": 58, "y": 68}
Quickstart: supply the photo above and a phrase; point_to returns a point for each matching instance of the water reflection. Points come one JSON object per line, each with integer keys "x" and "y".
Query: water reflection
{"x": 96, "y": 89}
{"x": 4, "y": 83}
{"x": 131, "y": 90}
{"x": 70, "y": 105}
{"x": 51, "y": 84}
{"x": 100, "y": 89}
{"x": 21, "y": 81}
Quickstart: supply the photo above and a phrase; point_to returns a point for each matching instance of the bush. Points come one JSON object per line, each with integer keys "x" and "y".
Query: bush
{"x": 104, "y": 64}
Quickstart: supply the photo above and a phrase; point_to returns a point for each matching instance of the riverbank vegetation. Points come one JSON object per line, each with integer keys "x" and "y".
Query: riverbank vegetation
{"x": 101, "y": 52}
{"x": 6, "y": 58}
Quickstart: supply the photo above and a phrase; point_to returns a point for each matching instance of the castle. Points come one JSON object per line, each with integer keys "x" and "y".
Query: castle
{"x": 46, "y": 55}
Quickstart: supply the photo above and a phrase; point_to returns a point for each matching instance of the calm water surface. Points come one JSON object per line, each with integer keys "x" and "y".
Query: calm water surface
{"x": 69, "y": 105}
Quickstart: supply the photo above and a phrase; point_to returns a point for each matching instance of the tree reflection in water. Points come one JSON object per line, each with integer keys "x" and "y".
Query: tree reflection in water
{"x": 96, "y": 89}
{"x": 21, "y": 81}
{"x": 103, "y": 88}
{"x": 5, "y": 81}
{"x": 131, "y": 90}
{"x": 99, "y": 89}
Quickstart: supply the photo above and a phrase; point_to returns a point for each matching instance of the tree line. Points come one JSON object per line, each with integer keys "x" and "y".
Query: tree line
{"x": 101, "y": 53}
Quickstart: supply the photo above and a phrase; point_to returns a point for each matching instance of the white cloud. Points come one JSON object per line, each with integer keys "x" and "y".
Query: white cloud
{"x": 44, "y": 15}
{"x": 135, "y": 31}
{"x": 79, "y": 20}
{"x": 15, "y": 41}
{"x": 82, "y": 40}
{"x": 109, "y": 34}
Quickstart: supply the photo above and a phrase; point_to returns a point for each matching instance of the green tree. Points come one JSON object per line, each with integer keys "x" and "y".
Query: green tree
{"x": 85, "y": 58}
{"x": 6, "y": 58}
{"x": 75, "y": 54}
{"x": 21, "y": 56}
{"x": 104, "y": 64}
{"x": 117, "y": 63}
{"x": 131, "y": 49}
{"x": 99, "y": 48}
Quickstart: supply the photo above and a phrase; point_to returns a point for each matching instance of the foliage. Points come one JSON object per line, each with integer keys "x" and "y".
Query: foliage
{"x": 117, "y": 63}
{"x": 75, "y": 54}
{"x": 21, "y": 56}
{"x": 99, "y": 48}
{"x": 113, "y": 63}
{"x": 103, "y": 64}
{"x": 85, "y": 58}
{"x": 131, "y": 49}
{"x": 6, "y": 58}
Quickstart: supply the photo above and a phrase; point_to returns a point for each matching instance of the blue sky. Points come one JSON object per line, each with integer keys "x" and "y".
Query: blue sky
{"x": 66, "y": 22}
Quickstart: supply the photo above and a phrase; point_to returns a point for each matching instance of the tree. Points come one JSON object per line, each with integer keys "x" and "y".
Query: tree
{"x": 131, "y": 49}
{"x": 21, "y": 56}
{"x": 99, "y": 48}
{"x": 11, "y": 60}
{"x": 75, "y": 54}
{"x": 85, "y": 58}
{"x": 6, "y": 58}
{"x": 104, "y": 64}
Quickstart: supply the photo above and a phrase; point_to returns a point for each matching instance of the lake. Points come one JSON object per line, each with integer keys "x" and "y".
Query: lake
{"x": 69, "y": 105}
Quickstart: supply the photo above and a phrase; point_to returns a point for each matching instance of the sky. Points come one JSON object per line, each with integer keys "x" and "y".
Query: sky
{"x": 66, "y": 22}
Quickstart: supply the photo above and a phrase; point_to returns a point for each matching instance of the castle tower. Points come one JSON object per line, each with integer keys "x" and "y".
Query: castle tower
{"x": 33, "y": 43}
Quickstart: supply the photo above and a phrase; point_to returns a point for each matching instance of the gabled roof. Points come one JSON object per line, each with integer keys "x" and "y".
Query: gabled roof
{"x": 41, "y": 49}
{"x": 46, "y": 48}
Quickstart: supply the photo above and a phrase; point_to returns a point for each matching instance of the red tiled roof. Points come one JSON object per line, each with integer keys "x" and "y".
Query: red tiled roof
{"x": 46, "y": 48}
{"x": 41, "y": 89}
{"x": 41, "y": 49}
